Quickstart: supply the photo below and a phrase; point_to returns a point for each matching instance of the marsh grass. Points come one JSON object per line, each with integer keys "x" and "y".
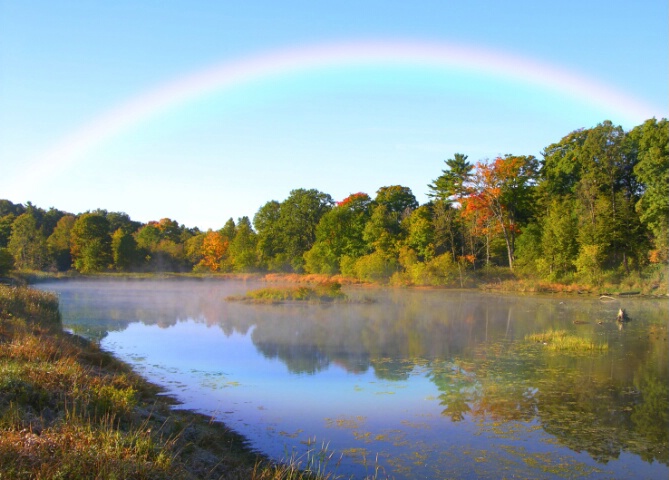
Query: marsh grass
{"x": 561, "y": 341}
{"x": 70, "y": 410}
{"x": 322, "y": 292}
{"x": 319, "y": 462}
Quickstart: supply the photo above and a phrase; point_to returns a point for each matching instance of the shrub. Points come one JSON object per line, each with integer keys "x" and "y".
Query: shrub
{"x": 375, "y": 267}
{"x": 6, "y": 261}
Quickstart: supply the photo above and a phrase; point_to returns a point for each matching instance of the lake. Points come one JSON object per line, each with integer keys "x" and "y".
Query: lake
{"x": 402, "y": 383}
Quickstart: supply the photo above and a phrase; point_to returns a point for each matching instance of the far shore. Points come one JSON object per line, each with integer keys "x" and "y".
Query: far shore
{"x": 485, "y": 284}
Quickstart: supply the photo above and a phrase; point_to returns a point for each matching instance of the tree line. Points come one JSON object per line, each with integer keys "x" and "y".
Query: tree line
{"x": 595, "y": 207}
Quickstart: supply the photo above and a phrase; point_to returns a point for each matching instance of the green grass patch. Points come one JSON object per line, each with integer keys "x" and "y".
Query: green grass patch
{"x": 323, "y": 292}
{"x": 561, "y": 341}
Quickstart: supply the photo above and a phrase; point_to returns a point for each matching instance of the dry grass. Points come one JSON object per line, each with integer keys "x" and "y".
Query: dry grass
{"x": 69, "y": 410}
{"x": 311, "y": 278}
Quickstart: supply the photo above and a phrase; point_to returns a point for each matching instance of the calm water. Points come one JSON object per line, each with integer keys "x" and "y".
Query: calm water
{"x": 417, "y": 384}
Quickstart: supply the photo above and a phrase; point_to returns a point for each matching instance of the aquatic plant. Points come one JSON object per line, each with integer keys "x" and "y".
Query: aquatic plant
{"x": 323, "y": 292}
{"x": 560, "y": 340}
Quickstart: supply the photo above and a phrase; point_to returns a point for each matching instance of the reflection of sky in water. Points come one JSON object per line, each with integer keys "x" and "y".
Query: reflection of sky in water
{"x": 381, "y": 375}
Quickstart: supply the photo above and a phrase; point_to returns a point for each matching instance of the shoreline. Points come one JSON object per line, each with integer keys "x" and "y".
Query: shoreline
{"x": 69, "y": 408}
{"x": 492, "y": 284}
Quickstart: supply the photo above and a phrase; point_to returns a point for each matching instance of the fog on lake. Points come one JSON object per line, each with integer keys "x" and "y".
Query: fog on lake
{"x": 402, "y": 383}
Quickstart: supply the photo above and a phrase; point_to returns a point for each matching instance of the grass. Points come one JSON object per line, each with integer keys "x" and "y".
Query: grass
{"x": 561, "y": 341}
{"x": 323, "y": 292}
{"x": 70, "y": 410}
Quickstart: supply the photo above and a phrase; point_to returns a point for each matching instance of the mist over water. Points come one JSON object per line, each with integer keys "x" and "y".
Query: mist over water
{"x": 419, "y": 383}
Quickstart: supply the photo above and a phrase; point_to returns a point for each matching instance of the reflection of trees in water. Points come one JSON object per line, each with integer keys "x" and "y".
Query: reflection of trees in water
{"x": 383, "y": 336}
{"x": 468, "y": 344}
{"x": 584, "y": 406}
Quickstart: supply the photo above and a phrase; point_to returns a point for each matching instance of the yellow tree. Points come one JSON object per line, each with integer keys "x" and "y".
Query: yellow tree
{"x": 214, "y": 248}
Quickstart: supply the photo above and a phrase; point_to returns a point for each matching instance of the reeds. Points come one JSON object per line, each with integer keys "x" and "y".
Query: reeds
{"x": 561, "y": 341}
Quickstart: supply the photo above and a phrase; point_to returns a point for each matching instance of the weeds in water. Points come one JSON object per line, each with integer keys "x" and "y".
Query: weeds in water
{"x": 323, "y": 292}
{"x": 560, "y": 340}
{"x": 316, "y": 463}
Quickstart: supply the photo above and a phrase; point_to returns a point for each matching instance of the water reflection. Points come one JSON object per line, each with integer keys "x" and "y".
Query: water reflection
{"x": 444, "y": 383}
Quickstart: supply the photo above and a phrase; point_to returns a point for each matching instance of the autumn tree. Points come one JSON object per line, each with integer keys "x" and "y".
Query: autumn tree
{"x": 501, "y": 196}
{"x": 214, "y": 247}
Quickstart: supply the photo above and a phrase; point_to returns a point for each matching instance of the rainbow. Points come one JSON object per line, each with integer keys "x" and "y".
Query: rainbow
{"x": 232, "y": 74}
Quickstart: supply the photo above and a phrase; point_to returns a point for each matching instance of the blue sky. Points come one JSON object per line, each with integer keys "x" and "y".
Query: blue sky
{"x": 340, "y": 127}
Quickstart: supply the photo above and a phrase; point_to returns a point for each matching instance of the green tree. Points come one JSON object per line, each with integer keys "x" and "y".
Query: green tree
{"x": 287, "y": 230}
{"x": 49, "y": 220}
{"x": 597, "y": 167}
{"x": 91, "y": 243}
{"x": 381, "y": 232}
{"x": 6, "y": 228}
{"x": 27, "y": 243}
{"x": 448, "y": 229}
{"x": 125, "y": 253}
{"x": 123, "y": 221}
{"x": 6, "y": 261}
{"x": 193, "y": 248}
{"x": 398, "y": 200}
{"x": 651, "y": 143}
{"x": 559, "y": 243}
{"x": 7, "y": 207}
{"x": 242, "y": 251}
{"x": 453, "y": 182}
{"x": 58, "y": 243}
{"x": 148, "y": 237}
{"x": 339, "y": 233}
{"x": 420, "y": 232}
{"x": 266, "y": 223}
{"x": 229, "y": 229}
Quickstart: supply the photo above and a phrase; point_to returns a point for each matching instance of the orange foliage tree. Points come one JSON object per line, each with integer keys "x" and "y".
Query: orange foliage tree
{"x": 499, "y": 196}
{"x": 214, "y": 248}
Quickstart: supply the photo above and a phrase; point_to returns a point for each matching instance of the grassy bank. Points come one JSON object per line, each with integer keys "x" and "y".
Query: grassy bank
{"x": 69, "y": 410}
